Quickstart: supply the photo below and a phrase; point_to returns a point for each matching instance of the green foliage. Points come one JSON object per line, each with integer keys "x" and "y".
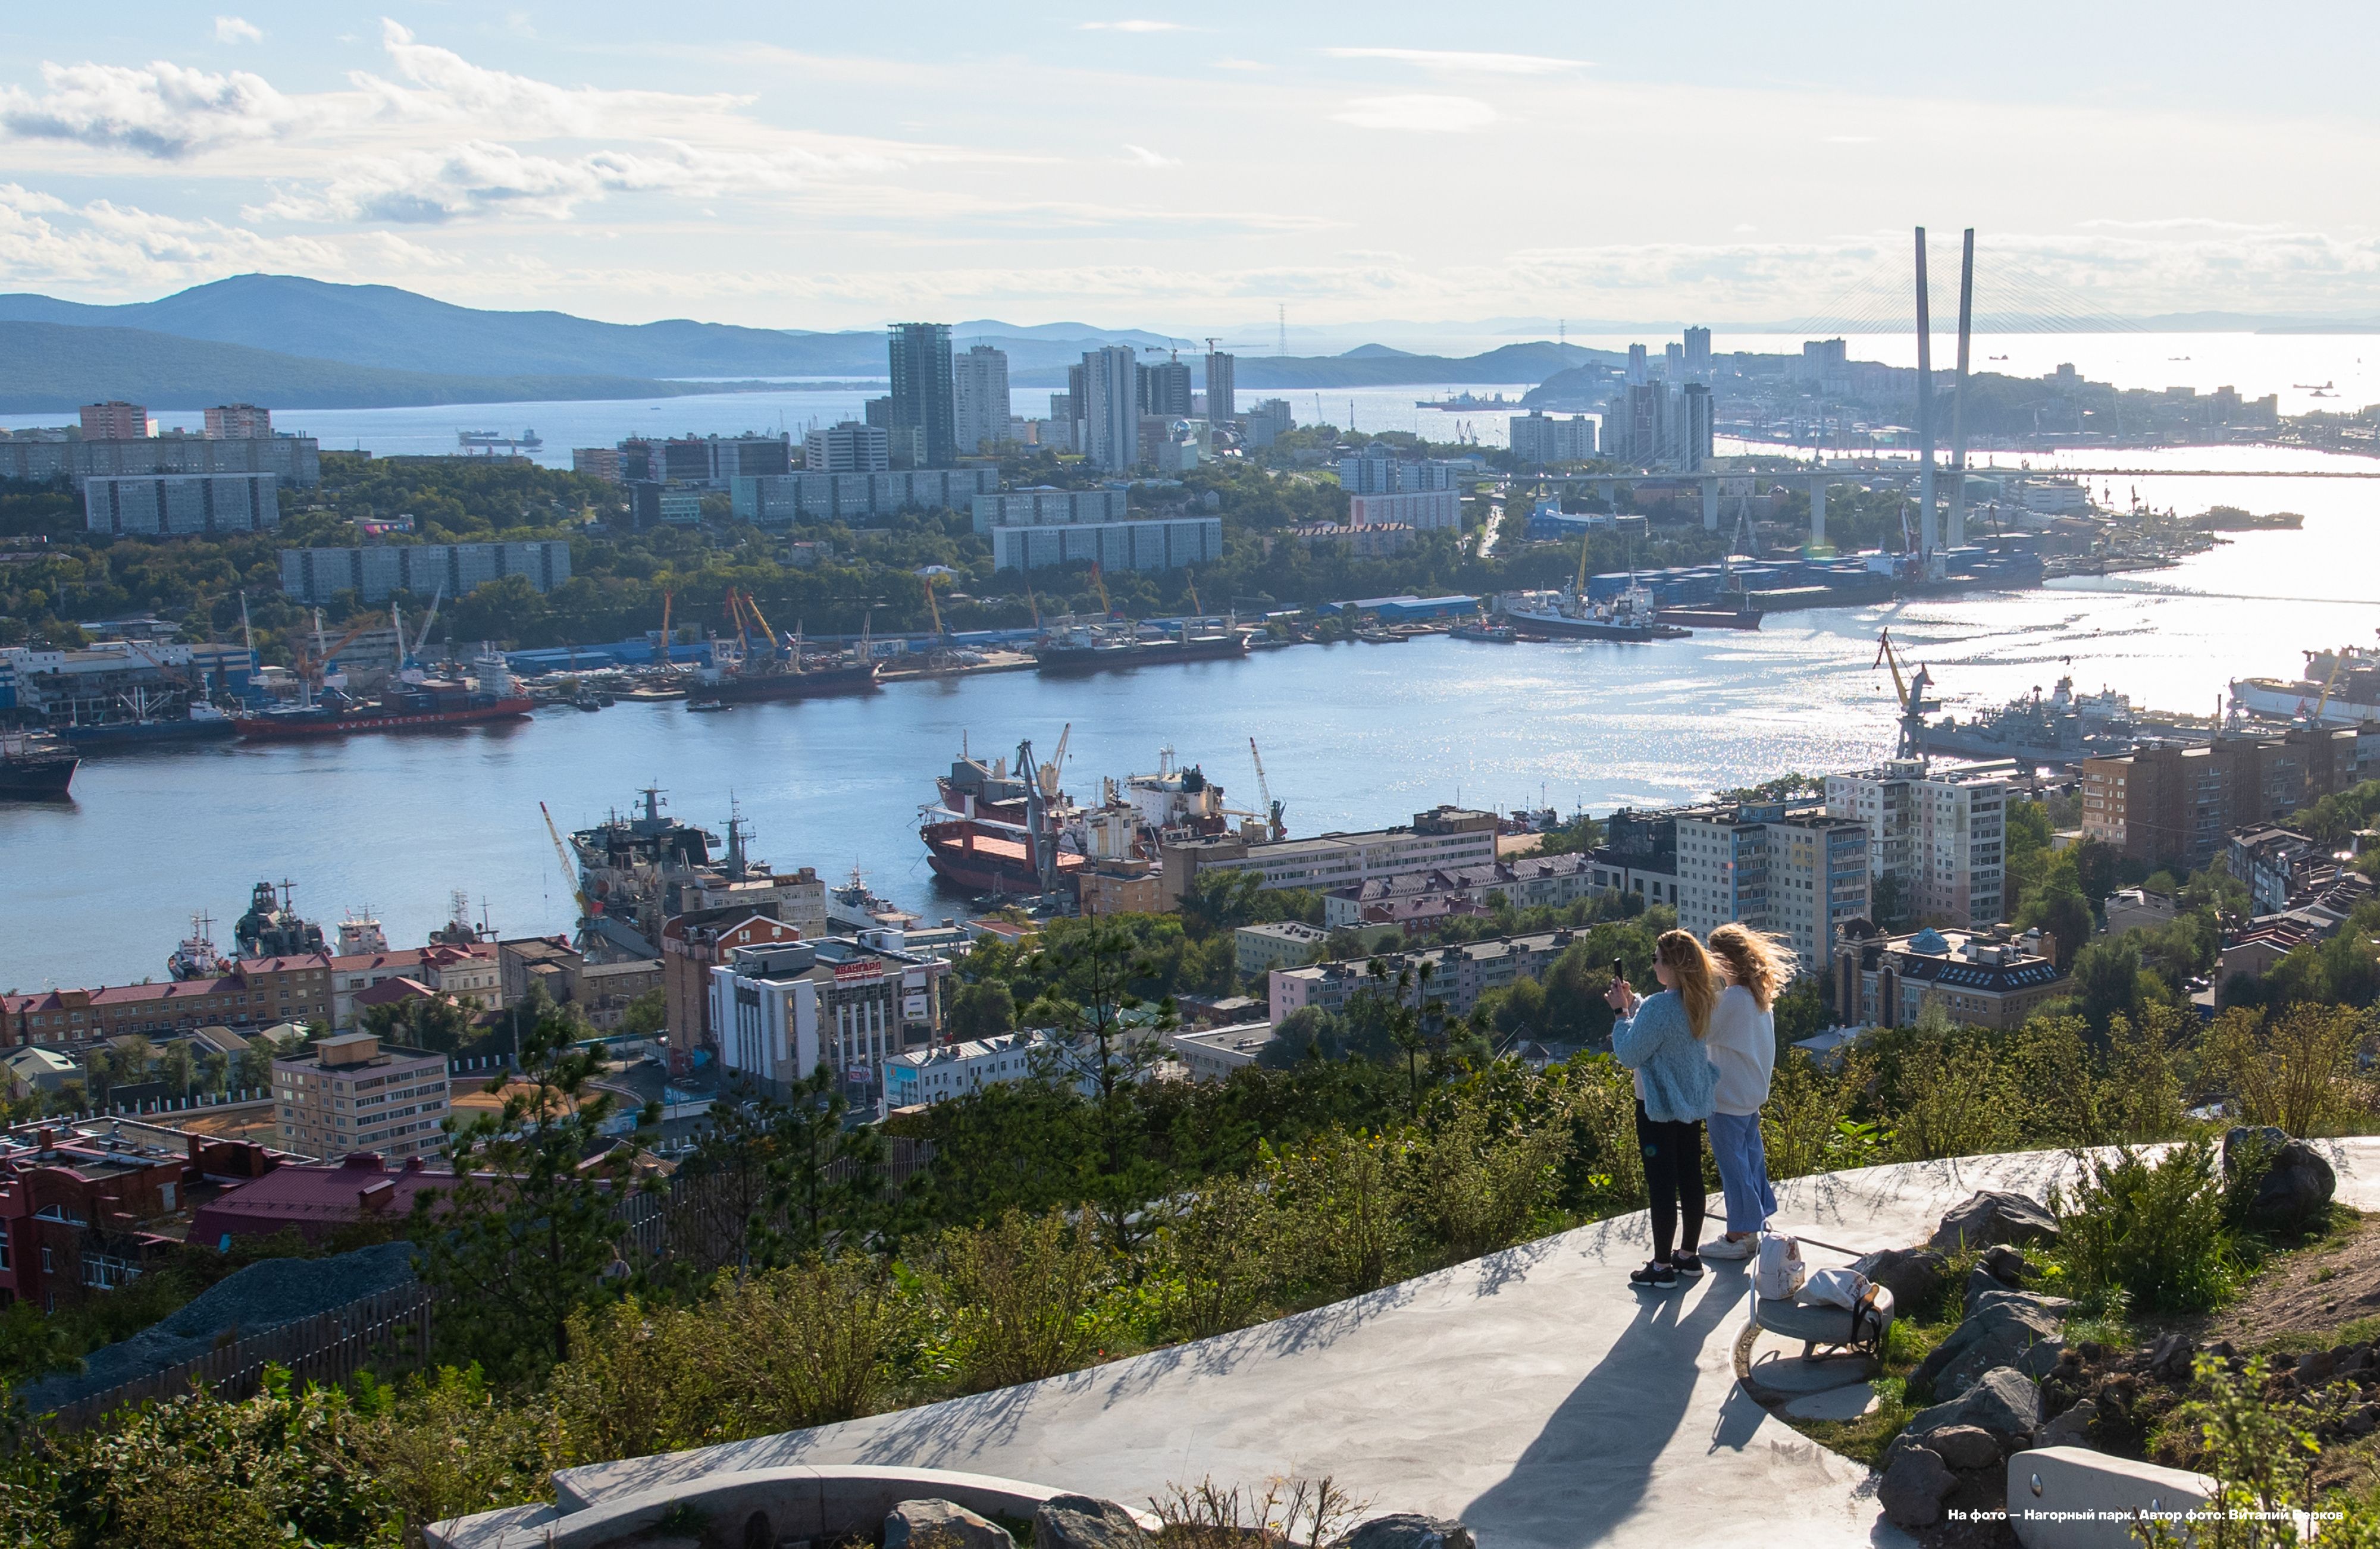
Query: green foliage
{"x": 2263, "y": 1454}
{"x": 981, "y": 1010}
{"x": 647, "y": 1014}
{"x": 2294, "y": 1069}
{"x": 527, "y": 1235}
{"x": 2154, "y": 1232}
{"x": 1015, "y": 1296}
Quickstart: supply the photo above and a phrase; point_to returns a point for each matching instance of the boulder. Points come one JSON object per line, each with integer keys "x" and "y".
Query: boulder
{"x": 2011, "y": 1330}
{"x": 2296, "y": 1185}
{"x": 1992, "y": 1217}
{"x": 1084, "y": 1522}
{"x": 1914, "y": 1481}
{"x": 942, "y": 1525}
{"x": 1406, "y": 1529}
{"x": 2005, "y": 1264}
{"x": 2070, "y": 1429}
{"x": 2003, "y": 1402}
{"x": 1964, "y": 1447}
{"x": 1912, "y": 1274}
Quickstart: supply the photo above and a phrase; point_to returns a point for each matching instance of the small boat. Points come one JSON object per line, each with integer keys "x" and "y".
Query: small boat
{"x": 707, "y": 706}
{"x": 1495, "y": 633}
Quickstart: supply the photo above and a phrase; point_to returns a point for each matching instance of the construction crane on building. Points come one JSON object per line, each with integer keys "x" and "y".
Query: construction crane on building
{"x": 1264, "y": 789}
{"x": 1911, "y": 692}
{"x": 587, "y": 908}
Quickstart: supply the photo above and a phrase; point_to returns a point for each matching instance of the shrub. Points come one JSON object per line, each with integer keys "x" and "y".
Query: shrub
{"x": 1955, "y": 1100}
{"x": 1223, "y": 1257}
{"x": 1478, "y": 1187}
{"x": 445, "y": 1446}
{"x": 2264, "y": 1457}
{"x": 1806, "y": 1125}
{"x": 1014, "y": 1293}
{"x": 1606, "y": 1151}
{"x": 2294, "y": 1069}
{"x": 1291, "y": 1513}
{"x": 1340, "y": 1192}
{"x": 2154, "y": 1232}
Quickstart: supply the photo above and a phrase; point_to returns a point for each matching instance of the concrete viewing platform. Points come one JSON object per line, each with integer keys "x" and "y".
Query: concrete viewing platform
{"x": 1534, "y": 1394}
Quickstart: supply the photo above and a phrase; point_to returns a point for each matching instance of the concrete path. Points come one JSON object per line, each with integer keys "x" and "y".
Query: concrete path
{"x": 1533, "y": 1394}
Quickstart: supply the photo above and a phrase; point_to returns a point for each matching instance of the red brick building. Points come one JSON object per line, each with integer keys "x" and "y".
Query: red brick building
{"x": 81, "y": 1206}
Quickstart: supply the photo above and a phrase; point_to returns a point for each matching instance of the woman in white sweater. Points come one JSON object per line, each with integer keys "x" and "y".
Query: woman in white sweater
{"x": 1742, "y": 1046}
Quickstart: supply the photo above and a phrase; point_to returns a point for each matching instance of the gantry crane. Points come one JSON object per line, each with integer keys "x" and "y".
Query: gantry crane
{"x": 1264, "y": 789}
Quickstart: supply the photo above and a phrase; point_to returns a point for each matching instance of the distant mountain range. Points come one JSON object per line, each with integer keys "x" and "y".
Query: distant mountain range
{"x": 293, "y": 343}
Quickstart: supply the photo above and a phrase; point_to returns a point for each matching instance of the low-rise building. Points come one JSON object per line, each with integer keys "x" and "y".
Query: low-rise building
{"x": 2271, "y": 863}
{"x": 257, "y": 993}
{"x": 692, "y": 945}
{"x": 1456, "y": 976}
{"x": 316, "y": 1199}
{"x": 2134, "y": 908}
{"x": 1978, "y": 978}
{"x": 1213, "y": 1053}
{"x": 350, "y": 1092}
{"x": 946, "y": 1070}
{"x": 1278, "y": 944}
{"x": 1444, "y": 837}
{"x": 81, "y": 1204}
{"x": 466, "y": 973}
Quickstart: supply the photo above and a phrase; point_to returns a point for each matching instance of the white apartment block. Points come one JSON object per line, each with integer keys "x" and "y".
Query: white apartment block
{"x": 782, "y": 1012}
{"x": 1941, "y": 834}
{"x": 947, "y": 1070}
{"x": 1793, "y": 876}
{"x": 1444, "y": 838}
{"x": 1422, "y": 510}
{"x": 978, "y": 398}
{"x": 351, "y": 1093}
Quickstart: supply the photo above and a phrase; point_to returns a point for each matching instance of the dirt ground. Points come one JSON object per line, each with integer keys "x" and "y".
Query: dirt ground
{"x": 2315, "y": 1291}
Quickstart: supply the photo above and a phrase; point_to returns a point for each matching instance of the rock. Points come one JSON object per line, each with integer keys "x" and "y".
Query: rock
{"x": 2296, "y": 1185}
{"x": 2007, "y": 1264}
{"x": 942, "y": 1525}
{"x": 1964, "y": 1447}
{"x": 1913, "y": 1485}
{"x": 1994, "y": 1217}
{"x": 1914, "y": 1275}
{"x": 1406, "y": 1529}
{"x": 2009, "y": 1330}
{"x": 2170, "y": 1357}
{"x": 2003, "y": 1402}
{"x": 1083, "y": 1522}
{"x": 2070, "y": 1429}
{"x": 2315, "y": 1366}
{"x": 1981, "y": 1282}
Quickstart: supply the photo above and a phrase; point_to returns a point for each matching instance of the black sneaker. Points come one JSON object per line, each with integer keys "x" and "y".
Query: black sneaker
{"x": 1655, "y": 1274}
{"x": 1688, "y": 1265}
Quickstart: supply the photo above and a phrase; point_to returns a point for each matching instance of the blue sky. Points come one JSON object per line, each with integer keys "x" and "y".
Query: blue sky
{"x": 1192, "y": 170}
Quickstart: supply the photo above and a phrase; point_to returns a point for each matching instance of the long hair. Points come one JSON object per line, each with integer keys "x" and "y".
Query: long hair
{"x": 1761, "y": 963}
{"x": 1697, "y": 978}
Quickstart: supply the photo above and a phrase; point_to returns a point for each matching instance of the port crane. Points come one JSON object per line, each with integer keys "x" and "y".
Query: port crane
{"x": 587, "y": 908}
{"x": 1099, "y": 582}
{"x": 1911, "y": 692}
{"x": 1049, "y": 775}
{"x": 1264, "y": 789}
{"x": 2322, "y": 703}
{"x": 776, "y": 647}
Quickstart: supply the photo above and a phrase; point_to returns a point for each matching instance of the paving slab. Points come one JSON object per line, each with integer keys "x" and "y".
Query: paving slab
{"x": 1837, "y": 1403}
{"x": 1776, "y": 1362}
{"x": 1535, "y": 1395}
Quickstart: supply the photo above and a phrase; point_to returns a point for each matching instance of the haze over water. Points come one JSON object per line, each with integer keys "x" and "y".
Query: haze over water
{"x": 1353, "y": 736}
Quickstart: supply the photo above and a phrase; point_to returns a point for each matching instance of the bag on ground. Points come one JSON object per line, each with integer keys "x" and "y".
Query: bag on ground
{"x": 1780, "y": 1272}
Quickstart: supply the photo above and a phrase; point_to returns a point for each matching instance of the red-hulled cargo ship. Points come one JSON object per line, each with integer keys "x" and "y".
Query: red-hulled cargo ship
{"x": 969, "y": 853}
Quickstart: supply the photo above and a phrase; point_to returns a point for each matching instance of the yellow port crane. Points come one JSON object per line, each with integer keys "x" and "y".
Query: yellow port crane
{"x": 588, "y": 907}
{"x": 1049, "y": 775}
{"x": 1911, "y": 692}
{"x": 932, "y": 612}
{"x": 775, "y": 646}
{"x": 1264, "y": 789}
{"x": 1099, "y": 583}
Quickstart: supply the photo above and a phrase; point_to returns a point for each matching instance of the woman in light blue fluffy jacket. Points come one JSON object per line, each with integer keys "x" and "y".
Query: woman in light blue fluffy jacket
{"x": 1661, "y": 1038}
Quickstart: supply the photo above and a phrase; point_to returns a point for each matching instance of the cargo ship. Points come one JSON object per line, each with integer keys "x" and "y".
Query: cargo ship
{"x": 2340, "y": 688}
{"x": 35, "y": 768}
{"x": 764, "y": 685}
{"x": 1744, "y": 615}
{"x": 150, "y": 724}
{"x": 1081, "y": 648}
{"x": 424, "y": 707}
{"x": 974, "y": 850}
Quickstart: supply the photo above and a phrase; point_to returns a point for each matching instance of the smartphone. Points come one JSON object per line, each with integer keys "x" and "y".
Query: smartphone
{"x": 1617, "y": 974}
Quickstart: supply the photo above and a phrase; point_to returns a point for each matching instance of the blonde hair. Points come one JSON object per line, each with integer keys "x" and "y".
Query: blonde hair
{"x": 1697, "y": 979}
{"x": 1761, "y": 963}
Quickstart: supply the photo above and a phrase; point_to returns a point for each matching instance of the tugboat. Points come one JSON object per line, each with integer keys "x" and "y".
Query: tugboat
{"x": 35, "y": 768}
{"x": 196, "y": 958}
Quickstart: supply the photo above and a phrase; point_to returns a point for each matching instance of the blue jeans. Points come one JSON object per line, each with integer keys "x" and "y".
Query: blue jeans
{"x": 1742, "y": 1170}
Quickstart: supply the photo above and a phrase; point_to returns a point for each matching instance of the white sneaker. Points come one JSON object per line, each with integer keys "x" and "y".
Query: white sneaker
{"x": 1738, "y": 1248}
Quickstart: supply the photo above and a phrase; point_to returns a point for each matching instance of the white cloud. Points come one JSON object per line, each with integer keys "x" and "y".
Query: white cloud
{"x": 235, "y": 29}
{"x": 1421, "y": 115}
{"x": 447, "y": 87}
{"x": 1242, "y": 64}
{"x": 1133, "y": 26}
{"x": 113, "y": 248}
{"x": 1140, "y": 155}
{"x": 1456, "y": 62}
{"x": 162, "y": 109}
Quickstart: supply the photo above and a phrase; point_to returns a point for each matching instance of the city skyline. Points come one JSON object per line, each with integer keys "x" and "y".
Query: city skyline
{"x": 1026, "y": 166}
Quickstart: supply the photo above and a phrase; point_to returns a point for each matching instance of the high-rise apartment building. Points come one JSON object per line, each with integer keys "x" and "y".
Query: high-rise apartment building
{"x": 1223, "y": 396}
{"x": 921, "y": 390}
{"x": 1697, "y": 354}
{"x": 1108, "y": 406}
{"x": 1540, "y": 438}
{"x": 1795, "y": 875}
{"x": 115, "y": 421}
{"x": 1164, "y": 390}
{"x": 1937, "y": 837}
{"x": 849, "y": 447}
{"x": 239, "y": 422}
{"x": 1657, "y": 425}
{"x": 1639, "y": 369}
{"x": 980, "y": 398}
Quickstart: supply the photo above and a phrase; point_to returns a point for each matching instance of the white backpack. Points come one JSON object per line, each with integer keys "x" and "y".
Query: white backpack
{"x": 1781, "y": 1271}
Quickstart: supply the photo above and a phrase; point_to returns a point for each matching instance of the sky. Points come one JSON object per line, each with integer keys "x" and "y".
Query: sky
{"x": 1204, "y": 170}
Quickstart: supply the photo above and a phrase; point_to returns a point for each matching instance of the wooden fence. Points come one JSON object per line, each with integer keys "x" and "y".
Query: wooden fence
{"x": 328, "y": 1347}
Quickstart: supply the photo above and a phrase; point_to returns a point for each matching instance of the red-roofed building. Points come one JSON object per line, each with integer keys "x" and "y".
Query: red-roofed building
{"x": 692, "y": 945}
{"x": 257, "y": 992}
{"x": 471, "y": 970}
{"x": 78, "y": 1204}
{"x": 316, "y": 1199}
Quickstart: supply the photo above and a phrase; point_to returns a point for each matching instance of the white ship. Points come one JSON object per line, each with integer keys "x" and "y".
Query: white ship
{"x": 2340, "y": 688}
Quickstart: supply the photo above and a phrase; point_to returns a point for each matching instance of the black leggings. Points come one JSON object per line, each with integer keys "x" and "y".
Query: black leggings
{"x": 1673, "y": 1177}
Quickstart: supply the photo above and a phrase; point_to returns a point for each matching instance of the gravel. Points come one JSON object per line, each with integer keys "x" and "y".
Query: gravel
{"x": 263, "y": 1296}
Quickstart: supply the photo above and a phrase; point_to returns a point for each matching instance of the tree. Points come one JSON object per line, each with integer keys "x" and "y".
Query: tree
{"x": 251, "y": 1068}
{"x": 1888, "y": 903}
{"x": 176, "y": 1068}
{"x": 2107, "y": 979}
{"x": 647, "y": 1014}
{"x": 984, "y": 1010}
{"x": 529, "y": 1234}
{"x": 440, "y": 1023}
